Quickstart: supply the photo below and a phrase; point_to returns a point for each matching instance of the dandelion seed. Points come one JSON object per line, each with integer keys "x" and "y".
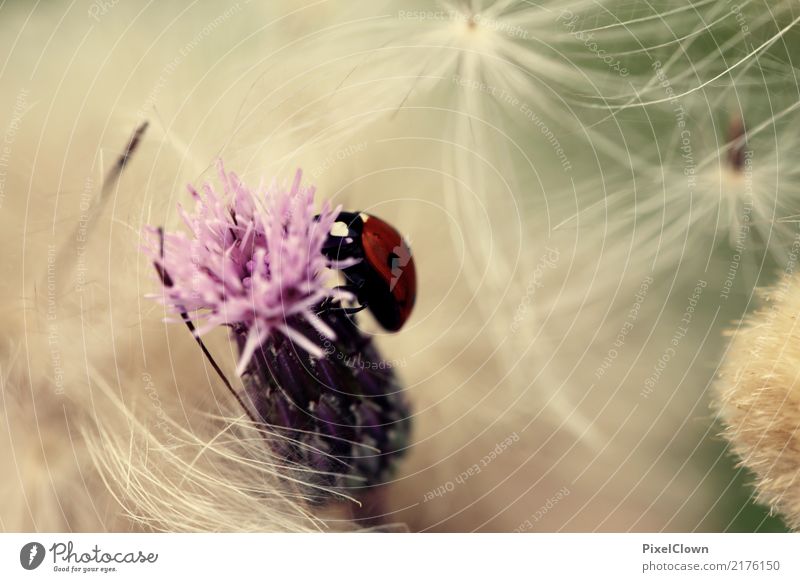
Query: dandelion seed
{"x": 470, "y": 59}
{"x": 720, "y": 181}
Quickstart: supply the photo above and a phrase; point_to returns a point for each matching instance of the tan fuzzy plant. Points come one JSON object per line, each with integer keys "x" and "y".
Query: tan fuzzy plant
{"x": 758, "y": 398}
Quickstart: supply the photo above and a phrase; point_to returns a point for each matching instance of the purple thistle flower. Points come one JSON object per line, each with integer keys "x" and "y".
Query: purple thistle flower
{"x": 253, "y": 262}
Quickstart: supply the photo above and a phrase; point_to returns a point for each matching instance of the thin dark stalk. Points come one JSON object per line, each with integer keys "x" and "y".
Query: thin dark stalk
{"x": 167, "y": 281}
{"x": 217, "y": 369}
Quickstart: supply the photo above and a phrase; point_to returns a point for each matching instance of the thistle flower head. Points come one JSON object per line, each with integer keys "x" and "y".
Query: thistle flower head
{"x": 252, "y": 260}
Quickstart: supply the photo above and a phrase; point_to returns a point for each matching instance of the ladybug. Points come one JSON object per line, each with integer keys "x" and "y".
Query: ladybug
{"x": 384, "y": 280}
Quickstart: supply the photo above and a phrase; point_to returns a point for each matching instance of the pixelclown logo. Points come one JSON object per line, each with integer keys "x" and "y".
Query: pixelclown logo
{"x": 31, "y": 555}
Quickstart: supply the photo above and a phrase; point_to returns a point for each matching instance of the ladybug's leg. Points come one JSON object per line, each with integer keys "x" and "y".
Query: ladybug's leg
{"x": 348, "y": 310}
{"x": 353, "y": 286}
{"x": 349, "y": 287}
{"x": 332, "y": 305}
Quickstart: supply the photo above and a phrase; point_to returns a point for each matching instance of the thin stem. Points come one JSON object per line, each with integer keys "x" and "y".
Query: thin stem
{"x": 166, "y": 280}
{"x": 217, "y": 369}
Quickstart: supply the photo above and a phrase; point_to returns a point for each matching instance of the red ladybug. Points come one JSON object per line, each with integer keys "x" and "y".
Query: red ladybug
{"x": 384, "y": 280}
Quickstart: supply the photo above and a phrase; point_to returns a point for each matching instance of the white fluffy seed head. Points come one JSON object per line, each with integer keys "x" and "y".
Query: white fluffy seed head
{"x": 757, "y": 397}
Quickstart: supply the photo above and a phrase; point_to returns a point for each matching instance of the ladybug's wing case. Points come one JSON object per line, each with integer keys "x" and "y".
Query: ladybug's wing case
{"x": 390, "y": 258}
